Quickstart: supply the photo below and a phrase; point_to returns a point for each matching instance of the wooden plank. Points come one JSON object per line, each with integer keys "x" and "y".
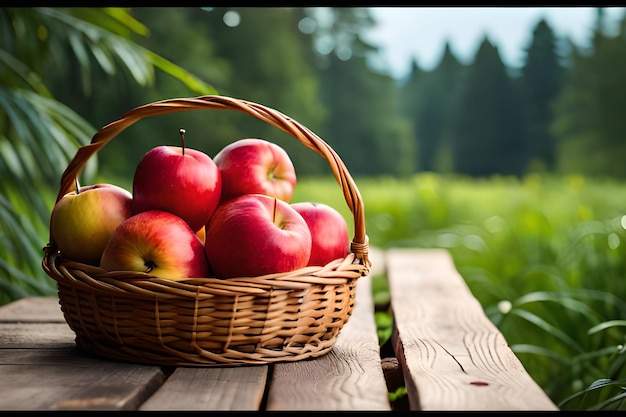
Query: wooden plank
{"x": 453, "y": 357}
{"x": 225, "y": 389}
{"x": 32, "y": 309}
{"x": 41, "y": 368}
{"x": 36, "y": 335}
{"x": 349, "y": 377}
{"x": 41, "y": 356}
{"x": 68, "y": 379}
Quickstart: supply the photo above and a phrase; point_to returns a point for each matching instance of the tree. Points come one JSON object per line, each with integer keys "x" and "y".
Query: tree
{"x": 540, "y": 84}
{"x": 589, "y": 124}
{"x": 487, "y": 133}
{"x": 38, "y": 133}
{"x": 420, "y": 98}
{"x": 271, "y": 67}
{"x": 364, "y": 123}
{"x": 430, "y": 102}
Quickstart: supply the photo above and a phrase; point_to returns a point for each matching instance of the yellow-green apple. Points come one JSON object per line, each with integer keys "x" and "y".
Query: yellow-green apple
{"x": 158, "y": 243}
{"x": 254, "y": 235}
{"x": 329, "y": 232}
{"x": 83, "y": 220}
{"x": 180, "y": 180}
{"x": 256, "y": 166}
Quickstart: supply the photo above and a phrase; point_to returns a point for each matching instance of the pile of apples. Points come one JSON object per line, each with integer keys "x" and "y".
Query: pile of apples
{"x": 191, "y": 216}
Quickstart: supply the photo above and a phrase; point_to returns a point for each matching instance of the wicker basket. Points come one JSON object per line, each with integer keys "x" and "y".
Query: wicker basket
{"x": 209, "y": 321}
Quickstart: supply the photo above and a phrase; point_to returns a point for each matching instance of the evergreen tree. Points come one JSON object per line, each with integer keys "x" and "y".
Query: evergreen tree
{"x": 487, "y": 138}
{"x": 413, "y": 97}
{"x": 364, "y": 123}
{"x": 338, "y": 33}
{"x": 450, "y": 77}
{"x": 430, "y": 103}
{"x": 590, "y": 125}
{"x": 540, "y": 84}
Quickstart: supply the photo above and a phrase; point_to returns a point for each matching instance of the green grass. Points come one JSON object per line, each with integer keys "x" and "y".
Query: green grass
{"x": 543, "y": 255}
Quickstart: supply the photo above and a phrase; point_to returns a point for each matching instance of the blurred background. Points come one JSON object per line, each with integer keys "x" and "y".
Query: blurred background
{"x": 503, "y": 143}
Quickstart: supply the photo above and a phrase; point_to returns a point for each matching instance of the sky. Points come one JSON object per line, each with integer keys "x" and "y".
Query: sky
{"x": 407, "y": 33}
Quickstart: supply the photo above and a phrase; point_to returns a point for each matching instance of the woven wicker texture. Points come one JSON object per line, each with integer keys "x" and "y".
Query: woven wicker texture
{"x": 134, "y": 317}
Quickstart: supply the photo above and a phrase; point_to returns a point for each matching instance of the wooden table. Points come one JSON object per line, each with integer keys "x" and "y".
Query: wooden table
{"x": 451, "y": 356}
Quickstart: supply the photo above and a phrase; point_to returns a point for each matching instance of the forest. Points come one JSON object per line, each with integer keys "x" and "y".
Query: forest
{"x": 443, "y": 157}
{"x": 559, "y": 110}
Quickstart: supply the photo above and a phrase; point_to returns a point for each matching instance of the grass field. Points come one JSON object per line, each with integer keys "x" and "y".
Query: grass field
{"x": 544, "y": 255}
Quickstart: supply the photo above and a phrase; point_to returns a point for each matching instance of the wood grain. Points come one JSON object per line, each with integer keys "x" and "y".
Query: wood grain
{"x": 237, "y": 388}
{"x": 68, "y": 379}
{"x": 452, "y": 356}
{"x": 33, "y": 309}
{"x": 41, "y": 368}
{"x": 349, "y": 377}
{"x": 36, "y": 335}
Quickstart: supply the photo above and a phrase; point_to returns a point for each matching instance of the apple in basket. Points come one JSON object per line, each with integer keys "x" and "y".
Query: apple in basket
{"x": 158, "y": 243}
{"x": 254, "y": 235}
{"x": 256, "y": 166}
{"x": 329, "y": 232}
{"x": 180, "y": 180}
{"x": 83, "y": 220}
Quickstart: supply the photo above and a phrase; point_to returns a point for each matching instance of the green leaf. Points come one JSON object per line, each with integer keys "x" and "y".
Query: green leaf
{"x": 614, "y": 403}
{"x": 562, "y": 298}
{"x": 121, "y": 16}
{"x": 103, "y": 44}
{"x": 597, "y": 385}
{"x": 132, "y": 59}
{"x": 538, "y": 350}
{"x": 548, "y": 328}
{"x": 23, "y": 72}
{"x": 606, "y": 325}
{"x": 397, "y": 394}
{"x": 187, "y": 78}
{"x": 80, "y": 51}
{"x": 104, "y": 58}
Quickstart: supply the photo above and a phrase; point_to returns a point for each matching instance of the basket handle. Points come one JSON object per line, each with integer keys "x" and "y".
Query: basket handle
{"x": 359, "y": 245}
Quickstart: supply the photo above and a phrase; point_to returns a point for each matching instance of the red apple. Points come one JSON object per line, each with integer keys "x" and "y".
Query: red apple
{"x": 182, "y": 181}
{"x": 82, "y": 221}
{"x": 254, "y": 235}
{"x": 256, "y": 166}
{"x": 329, "y": 232}
{"x": 158, "y": 243}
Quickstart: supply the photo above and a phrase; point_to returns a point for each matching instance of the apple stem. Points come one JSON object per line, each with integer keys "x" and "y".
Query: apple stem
{"x": 149, "y": 266}
{"x": 77, "y": 185}
{"x": 182, "y": 138}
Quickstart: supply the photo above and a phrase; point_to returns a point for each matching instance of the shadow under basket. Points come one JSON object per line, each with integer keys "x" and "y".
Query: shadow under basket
{"x": 135, "y": 317}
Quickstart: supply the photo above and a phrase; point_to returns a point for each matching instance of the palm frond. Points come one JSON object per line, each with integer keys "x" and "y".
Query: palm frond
{"x": 43, "y": 136}
{"x": 110, "y": 45}
{"x": 21, "y": 74}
